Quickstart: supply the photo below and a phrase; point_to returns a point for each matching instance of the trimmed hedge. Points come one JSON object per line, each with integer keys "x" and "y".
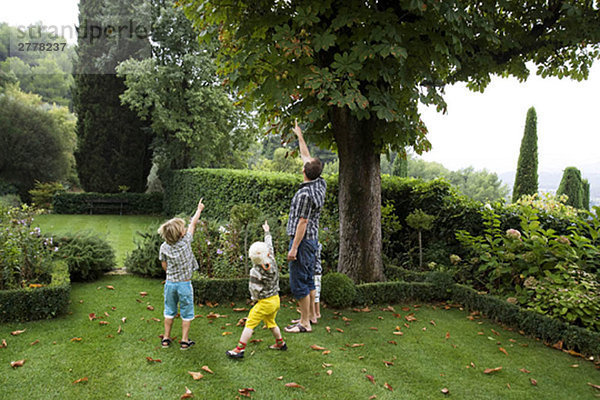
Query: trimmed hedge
{"x": 108, "y": 203}
{"x": 220, "y": 290}
{"x": 38, "y": 303}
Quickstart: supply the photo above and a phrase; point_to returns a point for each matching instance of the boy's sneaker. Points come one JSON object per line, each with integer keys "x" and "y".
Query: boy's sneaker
{"x": 235, "y": 354}
{"x": 278, "y": 346}
{"x": 186, "y": 345}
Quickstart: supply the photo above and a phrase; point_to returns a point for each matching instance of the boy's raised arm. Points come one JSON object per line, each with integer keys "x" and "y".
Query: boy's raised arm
{"x": 304, "y": 153}
{"x": 195, "y": 218}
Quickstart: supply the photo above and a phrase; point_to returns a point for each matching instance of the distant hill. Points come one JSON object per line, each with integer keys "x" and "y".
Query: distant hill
{"x": 549, "y": 181}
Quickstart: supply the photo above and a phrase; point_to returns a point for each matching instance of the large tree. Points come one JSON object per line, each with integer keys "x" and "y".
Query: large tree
{"x": 356, "y": 70}
{"x": 526, "y": 179}
{"x": 571, "y": 185}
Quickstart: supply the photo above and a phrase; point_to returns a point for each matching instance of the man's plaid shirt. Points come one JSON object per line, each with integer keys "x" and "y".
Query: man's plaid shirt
{"x": 307, "y": 203}
{"x": 180, "y": 259}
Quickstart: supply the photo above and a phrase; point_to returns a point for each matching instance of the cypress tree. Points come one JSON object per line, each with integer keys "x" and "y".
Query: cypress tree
{"x": 400, "y": 166}
{"x": 526, "y": 179}
{"x": 113, "y": 143}
{"x": 585, "y": 185}
{"x": 572, "y": 186}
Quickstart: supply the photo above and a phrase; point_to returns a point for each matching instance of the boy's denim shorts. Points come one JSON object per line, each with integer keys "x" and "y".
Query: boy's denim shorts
{"x": 302, "y": 268}
{"x": 182, "y": 293}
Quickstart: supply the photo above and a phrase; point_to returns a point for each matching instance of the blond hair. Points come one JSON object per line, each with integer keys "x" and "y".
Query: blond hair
{"x": 171, "y": 230}
{"x": 259, "y": 253}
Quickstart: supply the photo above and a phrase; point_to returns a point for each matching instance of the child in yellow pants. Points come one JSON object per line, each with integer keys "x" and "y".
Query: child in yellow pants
{"x": 264, "y": 289}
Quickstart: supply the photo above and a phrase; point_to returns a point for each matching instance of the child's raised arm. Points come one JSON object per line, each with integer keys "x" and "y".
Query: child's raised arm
{"x": 195, "y": 218}
{"x": 268, "y": 239}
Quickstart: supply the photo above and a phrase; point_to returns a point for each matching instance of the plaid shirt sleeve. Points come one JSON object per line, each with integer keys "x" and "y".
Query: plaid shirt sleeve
{"x": 304, "y": 206}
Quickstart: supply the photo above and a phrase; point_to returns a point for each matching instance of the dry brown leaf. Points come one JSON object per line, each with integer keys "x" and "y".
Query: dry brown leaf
{"x": 150, "y": 359}
{"x": 76, "y": 339}
{"x": 373, "y": 397}
{"x": 280, "y": 378}
{"x": 525, "y": 371}
{"x": 150, "y": 308}
{"x": 103, "y": 322}
{"x": 246, "y": 391}
{"x": 387, "y": 386}
{"x": 143, "y": 294}
{"x": 371, "y": 378}
{"x": 328, "y": 329}
{"x": 326, "y": 352}
{"x": 392, "y": 342}
{"x": 294, "y": 385}
{"x": 16, "y": 364}
{"x": 196, "y": 375}
{"x": 329, "y": 372}
{"x": 533, "y": 381}
{"x": 4, "y": 344}
{"x": 374, "y": 328}
{"x": 81, "y": 380}
{"x": 119, "y": 330}
{"x": 33, "y": 343}
{"x": 445, "y": 391}
{"x": 339, "y": 330}
{"x": 432, "y": 322}
{"x": 558, "y": 345}
{"x": 188, "y": 394}
{"x": 410, "y": 317}
{"x": 502, "y": 349}
{"x": 575, "y": 366}
{"x": 106, "y": 314}
{"x": 110, "y": 287}
{"x": 226, "y": 333}
{"x": 388, "y": 308}
{"x": 316, "y": 347}
{"x": 594, "y": 386}
{"x": 398, "y": 333}
{"x": 155, "y": 319}
{"x": 494, "y": 332}
{"x": 92, "y": 316}
{"x": 388, "y": 363}
{"x": 490, "y": 370}
{"x": 123, "y": 319}
{"x": 240, "y": 309}
{"x": 15, "y": 333}
{"x": 325, "y": 365}
{"x": 205, "y": 368}
{"x": 447, "y": 335}
{"x": 405, "y": 308}
{"x": 346, "y": 319}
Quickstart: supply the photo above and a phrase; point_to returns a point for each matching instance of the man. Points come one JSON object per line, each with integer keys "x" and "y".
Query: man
{"x": 303, "y": 229}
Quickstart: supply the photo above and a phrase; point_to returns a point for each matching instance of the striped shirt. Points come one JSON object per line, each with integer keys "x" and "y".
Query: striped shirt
{"x": 307, "y": 203}
{"x": 264, "y": 283}
{"x": 180, "y": 259}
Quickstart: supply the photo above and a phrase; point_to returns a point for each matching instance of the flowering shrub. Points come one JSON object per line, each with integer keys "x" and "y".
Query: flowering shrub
{"x": 25, "y": 254}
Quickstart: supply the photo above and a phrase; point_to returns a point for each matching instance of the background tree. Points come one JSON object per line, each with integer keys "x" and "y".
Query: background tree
{"x": 36, "y": 140}
{"x": 585, "y": 201}
{"x": 356, "y": 71}
{"x": 526, "y": 179}
{"x": 571, "y": 185}
{"x": 113, "y": 143}
{"x": 193, "y": 118}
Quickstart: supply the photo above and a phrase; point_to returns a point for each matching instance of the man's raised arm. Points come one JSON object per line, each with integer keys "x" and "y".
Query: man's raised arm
{"x": 304, "y": 153}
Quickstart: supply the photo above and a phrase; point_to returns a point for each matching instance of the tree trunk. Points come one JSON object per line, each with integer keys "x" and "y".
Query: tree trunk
{"x": 359, "y": 198}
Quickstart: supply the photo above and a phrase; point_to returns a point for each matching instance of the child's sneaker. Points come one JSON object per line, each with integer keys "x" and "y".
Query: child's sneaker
{"x": 282, "y": 346}
{"x": 235, "y": 354}
{"x": 186, "y": 345}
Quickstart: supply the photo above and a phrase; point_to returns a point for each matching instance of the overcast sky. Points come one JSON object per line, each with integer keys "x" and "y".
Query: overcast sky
{"x": 479, "y": 130}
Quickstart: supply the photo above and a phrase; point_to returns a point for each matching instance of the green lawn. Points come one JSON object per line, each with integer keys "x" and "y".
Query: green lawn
{"x": 118, "y": 230}
{"x": 434, "y": 352}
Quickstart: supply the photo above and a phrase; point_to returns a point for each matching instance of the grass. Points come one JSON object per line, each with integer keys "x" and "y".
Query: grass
{"x": 120, "y": 231}
{"x": 424, "y": 360}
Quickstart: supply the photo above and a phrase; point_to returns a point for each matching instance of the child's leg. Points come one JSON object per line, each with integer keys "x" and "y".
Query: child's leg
{"x": 312, "y": 316}
{"x": 168, "y": 326}
{"x": 246, "y": 335}
{"x": 185, "y": 330}
{"x": 318, "y": 310}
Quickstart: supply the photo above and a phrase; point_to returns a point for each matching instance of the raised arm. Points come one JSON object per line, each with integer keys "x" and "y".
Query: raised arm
{"x": 304, "y": 153}
{"x": 195, "y": 218}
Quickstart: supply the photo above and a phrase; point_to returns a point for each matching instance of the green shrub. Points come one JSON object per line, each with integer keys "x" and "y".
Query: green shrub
{"x": 35, "y": 303}
{"x": 143, "y": 260}
{"x": 108, "y": 203}
{"x": 25, "y": 254}
{"x": 87, "y": 256}
{"x": 337, "y": 290}
{"x": 10, "y": 201}
{"x": 43, "y": 193}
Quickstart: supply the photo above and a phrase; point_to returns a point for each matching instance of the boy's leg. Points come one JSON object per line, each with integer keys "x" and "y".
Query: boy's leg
{"x": 312, "y": 315}
{"x": 186, "y": 307}
{"x": 318, "y": 310}
{"x": 168, "y": 326}
{"x": 185, "y": 330}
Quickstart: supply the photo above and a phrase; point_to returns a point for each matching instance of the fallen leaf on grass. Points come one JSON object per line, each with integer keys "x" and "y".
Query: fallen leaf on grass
{"x": 432, "y": 322}
{"x": 533, "y": 381}
{"x": 346, "y": 319}
{"x": 594, "y": 386}
{"x": 76, "y": 339}
{"x": 388, "y": 387}
{"x": 196, "y": 375}
{"x": 106, "y": 314}
{"x": 155, "y": 319}
{"x": 357, "y": 345}
{"x": 150, "y": 308}
{"x": 445, "y": 391}
{"x": 15, "y": 333}
{"x": 328, "y": 329}
{"x": 187, "y": 395}
{"x": 494, "y": 332}
{"x": 240, "y": 310}
{"x": 325, "y": 365}
{"x": 575, "y": 366}
{"x": 373, "y": 328}
{"x": 373, "y": 397}
{"x": 92, "y": 316}
{"x": 280, "y": 378}
{"x": 295, "y": 385}
{"x": 215, "y": 315}
{"x": 16, "y": 364}
{"x": 241, "y": 321}
{"x": 339, "y": 330}
{"x": 447, "y": 335}
{"x": 371, "y": 378}
{"x": 405, "y": 308}
{"x": 205, "y": 368}
{"x": 326, "y": 352}
{"x": 226, "y": 333}
{"x": 119, "y": 330}
{"x": 525, "y": 371}
{"x": 399, "y": 333}
{"x": 388, "y": 363}
{"x": 103, "y": 322}
{"x": 256, "y": 341}
{"x": 123, "y": 319}
{"x": 410, "y": 317}
{"x": 316, "y": 347}
{"x": 393, "y": 342}
{"x": 81, "y": 380}
{"x": 4, "y": 344}
{"x": 32, "y": 343}
{"x": 388, "y": 308}
{"x": 329, "y": 372}
{"x": 150, "y": 359}
{"x": 502, "y": 349}
{"x": 490, "y": 370}
{"x": 246, "y": 391}
{"x": 143, "y": 294}
{"x": 110, "y": 287}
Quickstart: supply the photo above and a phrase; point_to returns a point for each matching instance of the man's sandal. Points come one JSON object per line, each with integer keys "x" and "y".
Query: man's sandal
{"x": 166, "y": 342}
{"x": 186, "y": 345}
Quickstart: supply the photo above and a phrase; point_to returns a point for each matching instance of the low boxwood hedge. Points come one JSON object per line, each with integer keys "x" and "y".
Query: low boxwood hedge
{"x": 38, "y": 303}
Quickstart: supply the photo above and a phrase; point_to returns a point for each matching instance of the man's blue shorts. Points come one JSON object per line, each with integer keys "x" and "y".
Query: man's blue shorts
{"x": 302, "y": 268}
{"x": 182, "y": 293}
